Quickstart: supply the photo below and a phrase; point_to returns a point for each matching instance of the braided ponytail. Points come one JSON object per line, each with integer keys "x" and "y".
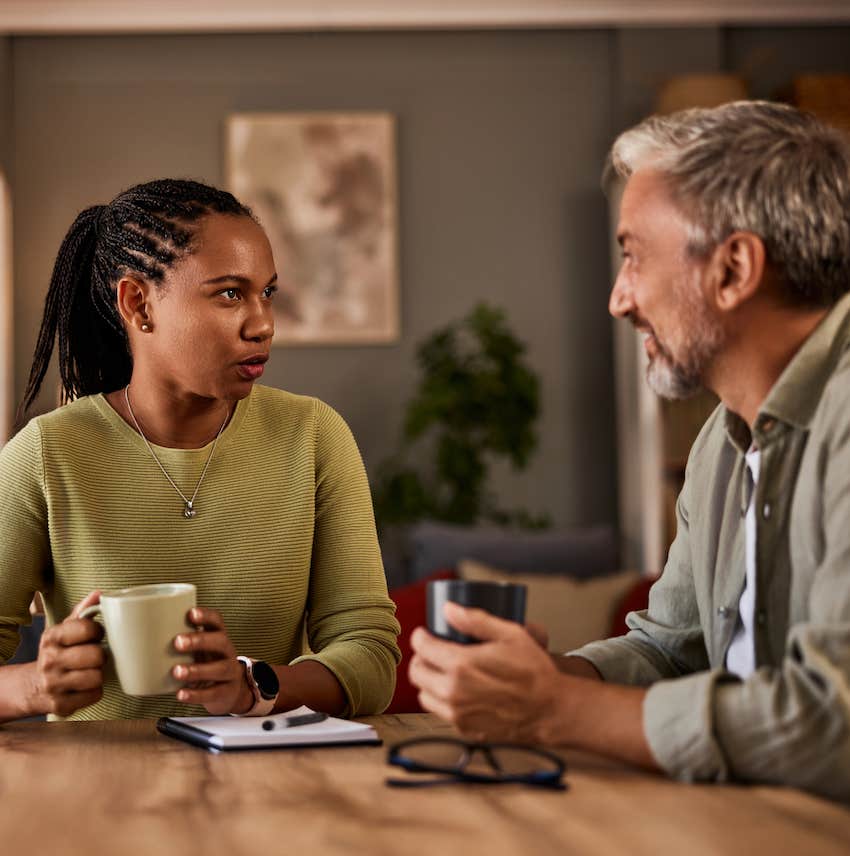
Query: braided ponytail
{"x": 143, "y": 231}
{"x": 92, "y": 346}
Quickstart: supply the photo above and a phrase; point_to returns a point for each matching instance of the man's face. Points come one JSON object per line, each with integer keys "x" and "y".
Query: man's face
{"x": 659, "y": 288}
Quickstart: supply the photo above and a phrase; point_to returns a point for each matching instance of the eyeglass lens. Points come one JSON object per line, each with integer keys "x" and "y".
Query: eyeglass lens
{"x": 484, "y": 760}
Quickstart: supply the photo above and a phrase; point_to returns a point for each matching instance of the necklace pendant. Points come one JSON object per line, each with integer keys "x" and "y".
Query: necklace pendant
{"x": 188, "y": 511}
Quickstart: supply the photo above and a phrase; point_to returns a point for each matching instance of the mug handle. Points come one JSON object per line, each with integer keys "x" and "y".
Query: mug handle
{"x": 89, "y": 611}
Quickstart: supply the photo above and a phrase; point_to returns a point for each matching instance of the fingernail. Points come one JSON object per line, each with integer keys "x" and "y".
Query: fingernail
{"x": 182, "y": 695}
{"x": 196, "y": 613}
{"x": 180, "y": 671}
{"x": 182, "y": 642}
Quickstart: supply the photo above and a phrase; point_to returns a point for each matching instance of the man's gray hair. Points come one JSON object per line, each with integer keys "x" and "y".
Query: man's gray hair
{"x": 759, "y": 167}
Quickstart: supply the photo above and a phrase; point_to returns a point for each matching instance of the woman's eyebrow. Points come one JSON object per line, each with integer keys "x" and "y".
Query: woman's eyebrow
{"x": 235, "y": 277}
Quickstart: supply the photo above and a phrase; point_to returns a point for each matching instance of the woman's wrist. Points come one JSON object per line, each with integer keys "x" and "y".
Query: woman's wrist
{"x": 20, "y": 692}
{"x": 38, "y": 702}
{"x": 245, "y": 699}
{"x": 290, "y": 696}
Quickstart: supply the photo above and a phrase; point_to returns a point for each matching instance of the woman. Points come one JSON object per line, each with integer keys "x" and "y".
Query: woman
{"x": 170, "y": 464}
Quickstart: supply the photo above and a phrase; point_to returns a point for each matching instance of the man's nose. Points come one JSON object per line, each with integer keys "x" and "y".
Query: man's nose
{"x": 620, "y": 303}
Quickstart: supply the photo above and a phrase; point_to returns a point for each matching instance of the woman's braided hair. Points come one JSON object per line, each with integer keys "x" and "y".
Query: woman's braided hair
{"x": 143, "y": 231}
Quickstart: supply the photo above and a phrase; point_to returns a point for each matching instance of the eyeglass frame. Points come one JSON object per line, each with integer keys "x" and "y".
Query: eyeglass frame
{"x": 552, "y": 779}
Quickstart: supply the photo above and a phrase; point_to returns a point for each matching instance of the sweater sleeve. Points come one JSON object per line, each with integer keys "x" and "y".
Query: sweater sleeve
{"x": 351, "y": 623}
{"x": 24, "y": 541}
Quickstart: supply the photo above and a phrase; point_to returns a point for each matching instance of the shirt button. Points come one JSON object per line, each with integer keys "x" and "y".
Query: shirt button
{"x": 766, "y": 510}
{"x": 768, "y": 424}
{"x": 761, "y": 617}
{"x": 723, "y": 611}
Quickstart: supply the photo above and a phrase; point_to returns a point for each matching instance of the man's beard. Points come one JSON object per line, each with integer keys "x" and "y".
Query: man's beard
{"x": 679, "y": 379}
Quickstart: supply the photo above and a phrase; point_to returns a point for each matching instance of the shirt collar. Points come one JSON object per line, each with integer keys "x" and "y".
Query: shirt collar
{"x": 794, "y": 397}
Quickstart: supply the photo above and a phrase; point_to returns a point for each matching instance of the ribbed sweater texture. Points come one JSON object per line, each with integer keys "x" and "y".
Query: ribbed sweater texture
{"x": 283, "y": 543}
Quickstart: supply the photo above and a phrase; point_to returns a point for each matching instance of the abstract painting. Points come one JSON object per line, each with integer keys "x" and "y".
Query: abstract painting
{"x": 323, "y": 186}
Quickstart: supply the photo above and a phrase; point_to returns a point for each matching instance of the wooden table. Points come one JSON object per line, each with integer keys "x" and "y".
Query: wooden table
{"x": 121, "y": 789}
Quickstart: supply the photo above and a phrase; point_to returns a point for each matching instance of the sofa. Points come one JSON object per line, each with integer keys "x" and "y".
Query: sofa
{"x": 576, "y": 588}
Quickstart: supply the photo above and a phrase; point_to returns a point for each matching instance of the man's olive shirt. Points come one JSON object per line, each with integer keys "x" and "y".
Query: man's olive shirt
{"x": 789, "y": 722}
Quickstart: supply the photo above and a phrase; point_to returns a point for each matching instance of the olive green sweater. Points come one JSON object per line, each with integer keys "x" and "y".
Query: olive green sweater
{"x": 284, "y": 534}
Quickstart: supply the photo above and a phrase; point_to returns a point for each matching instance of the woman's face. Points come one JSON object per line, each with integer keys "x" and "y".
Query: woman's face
{"x": 212, "y": 316}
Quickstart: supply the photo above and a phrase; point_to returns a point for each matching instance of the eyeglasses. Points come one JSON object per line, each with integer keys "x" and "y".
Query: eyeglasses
{"x": 482, "y": 763}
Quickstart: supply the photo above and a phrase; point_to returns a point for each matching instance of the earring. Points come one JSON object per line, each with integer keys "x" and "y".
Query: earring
{"x": 146, "y": 328}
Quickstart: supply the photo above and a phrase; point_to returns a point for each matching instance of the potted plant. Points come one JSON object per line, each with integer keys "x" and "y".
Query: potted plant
{"x": 477, "y": 400}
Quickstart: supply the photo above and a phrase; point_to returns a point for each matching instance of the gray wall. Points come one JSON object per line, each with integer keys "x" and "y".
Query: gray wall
{"x": 501, "y": 143}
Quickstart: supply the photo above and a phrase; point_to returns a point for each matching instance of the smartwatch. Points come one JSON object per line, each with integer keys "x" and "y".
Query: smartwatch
{"x": 264, "y": 685}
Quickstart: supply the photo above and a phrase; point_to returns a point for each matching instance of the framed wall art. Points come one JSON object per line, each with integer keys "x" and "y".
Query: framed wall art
{"x": 323, "y": 185}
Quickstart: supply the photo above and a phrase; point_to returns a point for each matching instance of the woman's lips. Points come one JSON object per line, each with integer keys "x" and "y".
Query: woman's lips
{"x": 251, "y": 371}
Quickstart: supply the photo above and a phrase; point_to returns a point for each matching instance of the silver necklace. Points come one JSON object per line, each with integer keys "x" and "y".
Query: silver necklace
{"x": 189, "y": 510}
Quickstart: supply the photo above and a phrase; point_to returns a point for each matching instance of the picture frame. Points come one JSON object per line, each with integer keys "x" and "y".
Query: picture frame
{"x": 324, "y": 187}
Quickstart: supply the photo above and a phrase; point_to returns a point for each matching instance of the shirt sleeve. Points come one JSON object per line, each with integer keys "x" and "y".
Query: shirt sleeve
{"x": 786, "y": 725}
{"x": 666, "y": 640}
{"x": 789, "y": 724}
{"x": 24, "y": 541}
{"x": 351, "y": 623}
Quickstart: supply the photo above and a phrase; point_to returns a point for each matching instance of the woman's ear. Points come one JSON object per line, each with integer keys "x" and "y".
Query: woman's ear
{"x": 738, "y": 268}
{"x": 132, "y": 296}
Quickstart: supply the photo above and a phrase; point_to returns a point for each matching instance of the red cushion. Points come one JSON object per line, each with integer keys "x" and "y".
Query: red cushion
{"x": 636, "y": 598}
{"x": 410, "y": 612}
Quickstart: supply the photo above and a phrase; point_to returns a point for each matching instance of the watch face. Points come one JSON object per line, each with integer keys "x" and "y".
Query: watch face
{"x": 266, "y": 679}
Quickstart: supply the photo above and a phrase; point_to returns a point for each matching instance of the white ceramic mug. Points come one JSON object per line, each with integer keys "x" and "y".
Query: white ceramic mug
{"x": 141, "y": 623}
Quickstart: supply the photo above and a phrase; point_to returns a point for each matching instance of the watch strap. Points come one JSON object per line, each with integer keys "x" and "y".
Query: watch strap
{"x": 262, "y": 706}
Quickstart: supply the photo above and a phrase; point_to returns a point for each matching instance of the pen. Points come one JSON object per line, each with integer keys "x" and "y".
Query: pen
{"x": 292, "y": 721}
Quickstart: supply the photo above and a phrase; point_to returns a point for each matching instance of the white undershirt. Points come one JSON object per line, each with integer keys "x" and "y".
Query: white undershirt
{"x": 741, "y": 656}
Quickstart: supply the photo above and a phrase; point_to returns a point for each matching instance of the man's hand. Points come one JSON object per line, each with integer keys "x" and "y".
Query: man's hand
{"x": 508, "y": 688}
{"x": 69, "y": 670}
{"x": 216, "y": 679}
{"x": 539, "y": 634}
{"x": 498, "y": 689}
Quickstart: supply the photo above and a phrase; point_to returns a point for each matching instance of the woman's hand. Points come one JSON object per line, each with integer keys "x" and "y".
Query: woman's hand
{"x": 216, "y": 679}
{"x": 69, "y": 670}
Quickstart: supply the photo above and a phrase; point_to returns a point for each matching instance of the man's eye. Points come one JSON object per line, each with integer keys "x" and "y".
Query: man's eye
{"x": 231, "y": 293}
{"x": 269, "y": 291}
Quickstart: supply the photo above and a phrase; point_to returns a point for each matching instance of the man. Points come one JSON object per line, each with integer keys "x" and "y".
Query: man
{"x": 735, "y": 231}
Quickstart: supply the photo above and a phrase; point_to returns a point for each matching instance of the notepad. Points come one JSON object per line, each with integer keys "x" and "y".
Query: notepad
{"x": 222, "y": 733}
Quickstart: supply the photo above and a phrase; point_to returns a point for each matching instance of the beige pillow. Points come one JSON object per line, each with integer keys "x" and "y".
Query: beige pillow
{"x": 572, "y": 611}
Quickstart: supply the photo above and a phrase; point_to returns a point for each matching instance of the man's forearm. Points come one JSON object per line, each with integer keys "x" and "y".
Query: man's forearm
{"x": 576, "y": 666}
{"x": 606, "y": 718}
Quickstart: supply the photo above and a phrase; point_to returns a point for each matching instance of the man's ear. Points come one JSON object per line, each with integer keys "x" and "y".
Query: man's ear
{"x": 133, "y": 299}
{"x": 737, "y": 268}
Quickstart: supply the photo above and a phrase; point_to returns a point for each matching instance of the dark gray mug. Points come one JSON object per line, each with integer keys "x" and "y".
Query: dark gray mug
{"x": 505, "y": 600}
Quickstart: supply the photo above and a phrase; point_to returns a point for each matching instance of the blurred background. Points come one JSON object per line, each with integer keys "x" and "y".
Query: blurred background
{"x": 504, "y": 113}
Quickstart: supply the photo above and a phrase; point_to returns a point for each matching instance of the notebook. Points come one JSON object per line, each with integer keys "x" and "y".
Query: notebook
{"x": 222, "y": 733}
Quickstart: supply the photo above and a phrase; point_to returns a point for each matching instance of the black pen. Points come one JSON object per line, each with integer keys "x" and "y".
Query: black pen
{"x": 292, "y": 721}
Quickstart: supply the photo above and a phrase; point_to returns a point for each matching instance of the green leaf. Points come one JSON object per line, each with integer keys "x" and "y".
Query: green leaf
{"x": 476, "y": 400}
